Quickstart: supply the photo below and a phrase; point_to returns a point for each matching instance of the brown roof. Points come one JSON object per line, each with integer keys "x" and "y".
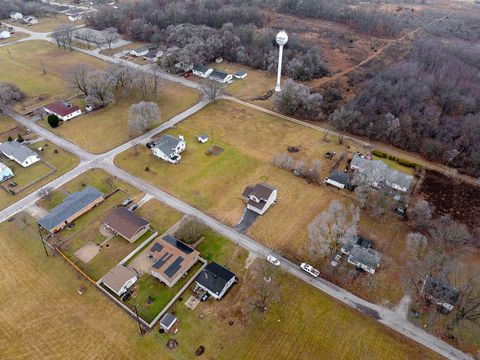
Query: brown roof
{"x": 247, "y": 191}
{"x": 118, "y": 276}
{"x": 260, "y": 191}
{"x": 124, "y": 222}
{"x": 61, "y": 109}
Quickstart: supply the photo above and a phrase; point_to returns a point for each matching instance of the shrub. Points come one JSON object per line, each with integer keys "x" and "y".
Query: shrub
{"x": 20, "y": 138}
{"x": 191, "y": 229}
{"x": 55, "y": 151}
{"x": 10, "y": 138}
{"x": 53, "y": 120}
{"x": 400, "y": 161}
{"x": 147, "y": 168}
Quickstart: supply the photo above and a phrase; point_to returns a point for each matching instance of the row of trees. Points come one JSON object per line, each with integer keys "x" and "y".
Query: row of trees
{"x": 428, "y": 103}
{"x": 310, "y": 171}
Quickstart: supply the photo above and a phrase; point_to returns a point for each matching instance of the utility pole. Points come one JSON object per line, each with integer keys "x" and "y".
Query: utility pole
{"x": 43, "y": 243}
{"x": 138, "y": 320}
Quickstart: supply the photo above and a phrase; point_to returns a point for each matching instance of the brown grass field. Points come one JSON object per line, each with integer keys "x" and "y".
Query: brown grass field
{"x": 214, "y": 184}
{"x": 49, "y": 23}
{"x": 43, "y": 316}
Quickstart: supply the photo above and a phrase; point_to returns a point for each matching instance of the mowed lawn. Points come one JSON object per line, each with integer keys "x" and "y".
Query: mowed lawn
{"x": 24, "y": 67}
{"x": 106, "y": 128}
{"x": 49, "y": 23}
{"x": 90, "y": 326}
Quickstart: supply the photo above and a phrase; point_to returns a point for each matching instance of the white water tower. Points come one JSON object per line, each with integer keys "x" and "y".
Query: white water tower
{"x": 281, "y": 39}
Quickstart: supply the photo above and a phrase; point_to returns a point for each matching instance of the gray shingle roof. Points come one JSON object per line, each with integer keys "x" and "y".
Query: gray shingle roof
{"x": 72, "y": 204}
{"x": 200, "y": 68}
{"x": 166, "y": 143}
{"x": 16, "y": 150}
{"x": 218, "y": 75}
{"x": 339, "y": 177}
{"x": 368, "y": 257}
{"x": 168, "y": 320}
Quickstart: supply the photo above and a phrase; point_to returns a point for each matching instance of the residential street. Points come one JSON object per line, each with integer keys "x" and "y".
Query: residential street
{"x": 105, "y": 161}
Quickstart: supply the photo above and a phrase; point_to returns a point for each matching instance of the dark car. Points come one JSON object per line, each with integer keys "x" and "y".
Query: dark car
{"x": 401, "y": 211}
{"x": 150, "y": 144}
{"x": 330, "y": 154}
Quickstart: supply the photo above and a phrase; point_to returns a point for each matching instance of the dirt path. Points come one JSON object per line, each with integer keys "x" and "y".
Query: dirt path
{"x": 402, "y": 307}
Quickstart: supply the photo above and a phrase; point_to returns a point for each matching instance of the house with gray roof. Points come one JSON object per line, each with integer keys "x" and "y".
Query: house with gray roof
{"x": 168, "y": 148}
{"x": 140, "y": 51}
{"x": 19, "y": 153}
{"x": 338, "y": 179}
{"x": 364, "y": 258}
{"x": 120, "y": 279}
{"x": 378, "y": 174}
{"x": 215, "y": 279}
{"x": 220, "y": 76}
{"x": 439, "y": 292}
{"x": 72, "y": 207}
{"x": 201, "y": 71}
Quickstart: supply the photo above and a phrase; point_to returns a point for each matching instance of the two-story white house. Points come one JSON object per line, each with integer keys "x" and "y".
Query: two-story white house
{"x": 63, "y": 110}
{"x": 259, "y": 197}
{"x": 168, "y": 148}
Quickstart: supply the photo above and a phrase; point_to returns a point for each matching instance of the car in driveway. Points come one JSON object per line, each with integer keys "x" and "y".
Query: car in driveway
{"x": 309, "y": 269}
{"x": 273, "y": 260}
{"x": 336, "y": 260}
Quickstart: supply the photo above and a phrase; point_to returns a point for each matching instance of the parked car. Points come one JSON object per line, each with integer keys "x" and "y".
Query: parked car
{"x": 330, "y": 154}
{"x": 187, "y": 74}
{"x": 150, "y": 144}
{"x": 133, "y": 207}
{"x": 127, "y": 202}
{"x": 336, "y": 260}
{"x": 309, "y": 269}
{"x": 273, "y": 260}
{"x": 401, "y": 211}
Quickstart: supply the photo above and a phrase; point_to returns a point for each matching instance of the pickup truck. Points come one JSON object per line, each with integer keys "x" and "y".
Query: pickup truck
{"x": 309, "y": 269}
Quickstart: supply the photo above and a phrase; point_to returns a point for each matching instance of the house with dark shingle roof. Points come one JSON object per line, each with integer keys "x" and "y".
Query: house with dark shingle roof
{"x": 171, "y": 259}
{"x": 120, "y": 279}
{"x": 439, "y": 292}
{"x": 259, "y": 197}
{"x": 338, "y": 179}
{"x": 168, "y": 148}
{"x": 63, "y": 110}
{"x": 220, "y": 76}
{"x": 19, "y": 153}
{"x": 201, "y": 71}
{"x": 215, "y": 280}
{"x": 125, "y": 223}
{"x": 72, "y": 207}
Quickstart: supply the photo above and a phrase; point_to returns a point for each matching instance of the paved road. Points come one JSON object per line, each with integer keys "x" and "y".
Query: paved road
{"x": 105, "y": 161}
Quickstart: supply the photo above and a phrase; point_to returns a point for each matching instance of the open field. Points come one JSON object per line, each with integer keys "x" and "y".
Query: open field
{"x": 113, "y": 119}
{"x": 24, "y": 68}
{"x": 15, "y": 37}
{"x": 61, "y": 160}
{"x": 91, "y": 326}
{"x": 214, "y": 184}
{"x": 48, "y": 23}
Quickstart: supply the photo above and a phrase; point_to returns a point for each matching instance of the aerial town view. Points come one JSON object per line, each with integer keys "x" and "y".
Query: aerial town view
{"x": 240, "y": 179}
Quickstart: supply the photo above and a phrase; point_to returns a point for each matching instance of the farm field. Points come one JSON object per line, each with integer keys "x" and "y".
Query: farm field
{"x": 113, "y": 119}
{"x": 92, "y": 326}
{"x": 24, "y": 68}
{"x": 214, "y": 184}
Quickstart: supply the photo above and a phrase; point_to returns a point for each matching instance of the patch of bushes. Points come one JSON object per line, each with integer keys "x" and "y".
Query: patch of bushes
{"x": 53, "y": 120}
{"x": 191, "y": 230}
{"x": 400, "y": 161}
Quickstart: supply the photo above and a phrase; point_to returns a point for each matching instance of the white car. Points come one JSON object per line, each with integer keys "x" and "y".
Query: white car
{"x": 336, "y": 260}
{"x": 273, "y": 260}
{"x": 310, "y": 269}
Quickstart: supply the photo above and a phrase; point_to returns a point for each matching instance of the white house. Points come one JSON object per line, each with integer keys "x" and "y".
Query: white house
{"x": 202, "y": 138}
{"x": 141, "y": 51}
{"x": 5, "y": 172}
{"x": 153, "y": 55}
{"x": 338, "y": 179}
{"x": 5, "y": 34}
{"x": 259, "y": 197}
{"x": 19, "y": 153}
{"x": 75, "y": 17}
{"x": 201, "y": 71}
{"x": 64, "y": 110}
{"x": 120, "y": 279}
{"x": 215, "y": 280}
{"x": 30, "y": 20}
{"x": 220, "y": 76}
{"x": 16, "y": 16}
{"x": 168, "y": 148}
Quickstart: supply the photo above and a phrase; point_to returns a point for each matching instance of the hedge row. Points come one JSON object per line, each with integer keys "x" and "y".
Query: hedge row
{"x": 403, "y": 162}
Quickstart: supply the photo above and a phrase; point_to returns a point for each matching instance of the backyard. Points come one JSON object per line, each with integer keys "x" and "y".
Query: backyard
{"x": 48, "y": 23}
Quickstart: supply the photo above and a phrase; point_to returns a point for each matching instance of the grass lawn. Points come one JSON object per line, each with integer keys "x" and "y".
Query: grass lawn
{"x": 131, "y": 46}
{"x": 15, "y": 37}
{"x": 24, "y": 69}
{"x": 9, "y": 127}
{"x": 161, "y": 293}
{"x": 113, "y": 119}
{"x": 93, "y": 327}
{"x": 49, "y": 23}
{"x": 395, "y": 165}
{"x": 161, "y": 216}
{"x": 62, "y": 161}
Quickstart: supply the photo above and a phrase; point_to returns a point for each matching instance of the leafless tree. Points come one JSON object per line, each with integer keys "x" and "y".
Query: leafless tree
{"x": 77, "y": 78}
{"x": 46, "y": 193}
{"x": 9, "y": 95}
{"x": 109, "y": 182}
{"x": 467, "y": 307}
{"x": 446, "y": 231}
{"x": 332, "y": 228}
{"x": 190, "y": 230}
{"x": 63, "y": 36}
{"x": 416, "y": 245}
{"x": 213, "y": 89}
{"x": 363, "y": 194}
{"x": 110, "y": 35}
{"x": 99, "y": 87}
{"x": 141, "y": 116}
{"x": 266, "y": 290}
{"x": 123, "y": 75}
{"x": 421, "y": 214}
{"x": 141, "y": 83}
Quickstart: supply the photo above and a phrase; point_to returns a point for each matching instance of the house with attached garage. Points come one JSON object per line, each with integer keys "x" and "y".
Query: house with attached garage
{"x": 215, "y": 280}
{"x": 379, "y": 175}
{"x": 30, "y": 20}
{"x": 140, "y": 51}
{"x": 171, "y": 259}
{"x": 220, "y": 76}
{"x": 201, "y": 71}
{"x": 120, "y": 279}
{"x": 63, "y": 110}
{"x": 338, "y": 179}
{"x": 5, "y": 172}
{"x": 125, "y": 223}
{"x": 364, "y": 258}
{"x": 259, "y": 197}
{"x": 19, "y": 153}
{"x": 168, "y": 148}
{"x": 439, "y": 292}
{"x": 72, "y": 207}
{"x": 5, "y": 34}
{"x": 153, "y": 55}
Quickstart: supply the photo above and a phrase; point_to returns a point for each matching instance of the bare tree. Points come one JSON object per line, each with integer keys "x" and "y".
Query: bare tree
{"x": 46, "y": 193}
{"x": 266, "y": 290}
{"x": 110, "y": 35}
{"x": 421, "y": 214}
{"x": 9, "y": 95}
{"x": 190, "y": 230}
{"x": 446, "y": 231}
{"x": 213, "y": 89}
{"x": 467, "y": 307}
{"x": 416, "y": 245}
{"x": 141, "y": 116}
{"x": 77, "y": 78}
{"x": 99, "y": 87}
{"x": 332, "y": 228}
{"x": 63, "y": 36}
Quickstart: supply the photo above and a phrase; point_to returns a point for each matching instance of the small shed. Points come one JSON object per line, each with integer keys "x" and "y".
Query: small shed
{"x": 240, "y": 74}
{"x": 338, "y": 179}
{"x": 169, "y": 323}
{"x": 202, "y": 138}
